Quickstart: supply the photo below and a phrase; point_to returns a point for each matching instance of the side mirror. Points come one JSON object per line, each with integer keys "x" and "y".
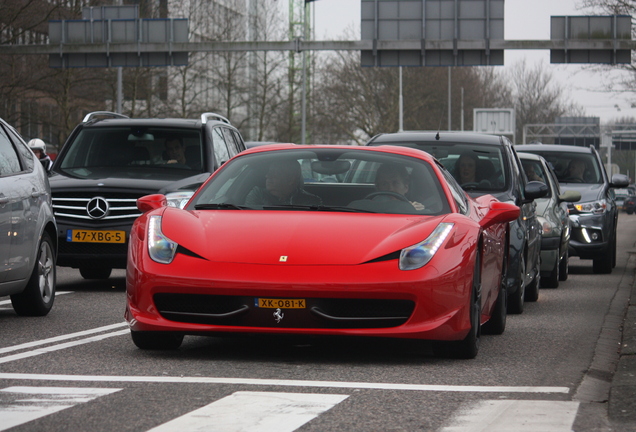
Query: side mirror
{"x": 619, "y": 181}
{"x": 151, "y": 202}
{"x": 500, "y": 212}
{"x": 534, "y": 190}
{"x": 570, "y": 196}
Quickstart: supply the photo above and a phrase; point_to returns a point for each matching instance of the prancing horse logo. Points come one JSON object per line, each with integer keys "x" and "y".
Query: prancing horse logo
{"x": 278, "y": 315}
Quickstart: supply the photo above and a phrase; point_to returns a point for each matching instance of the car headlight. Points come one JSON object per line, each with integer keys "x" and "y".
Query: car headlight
{"x": 160, "y": 248}
{"x": 179, "y": 199}
{"x": 547, "y": 228}
{"x": 418, "y": 255}
{"x": 595, "y": 207}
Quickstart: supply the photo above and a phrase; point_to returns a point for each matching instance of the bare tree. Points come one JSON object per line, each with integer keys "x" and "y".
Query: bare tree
{"x": 624, "y": 83}
{"x": 536, "y": 97}
{"x": 264, "y": 98}
{"x": 38, "y": 99}
{"x": 355, "y": 103}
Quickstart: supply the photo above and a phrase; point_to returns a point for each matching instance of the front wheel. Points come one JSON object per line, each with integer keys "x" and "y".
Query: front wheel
{"x": 552, "y": 281}
{"x": 532, "y": 291}
{"x": 497, "y": 322}
{"x": 468, "y": 347}
{"x": 38, "y": 296}
{"x": 515, "y": 300}
{"x": 156, "y": 340}
{"x": 605, "y": 264}
{"x": 564, "y": 266}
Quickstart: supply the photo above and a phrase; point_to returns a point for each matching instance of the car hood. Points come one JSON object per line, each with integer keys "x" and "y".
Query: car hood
{"x": 304, "y": 238}
{"x": 60, "y": 182}
{"x": 589, "y": 192}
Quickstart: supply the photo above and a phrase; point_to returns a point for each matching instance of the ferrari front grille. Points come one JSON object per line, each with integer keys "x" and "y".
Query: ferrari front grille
{"x": 318, "y": 313}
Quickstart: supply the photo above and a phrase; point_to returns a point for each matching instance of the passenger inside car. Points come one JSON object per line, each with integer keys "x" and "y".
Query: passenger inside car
{"x": 283, "y": 185}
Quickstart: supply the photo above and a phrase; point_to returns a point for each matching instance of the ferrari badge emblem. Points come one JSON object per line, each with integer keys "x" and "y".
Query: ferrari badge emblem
{"x": 283, "y": 258}
{"x": 278, "y": 315}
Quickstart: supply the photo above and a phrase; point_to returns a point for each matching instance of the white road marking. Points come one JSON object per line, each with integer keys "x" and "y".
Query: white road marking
{"x": 57, "y": 293}
{"x": 19, "y": 405}
{"x": 254, "y": 412}
{"x": 515, "y": 415}
{"x": 58, "y": 347}
{"x": 284, "y": 383}
{"x": 61, "y": 338}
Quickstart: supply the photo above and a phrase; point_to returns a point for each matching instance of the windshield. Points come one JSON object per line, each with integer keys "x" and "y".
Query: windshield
{"x": 325, "y": 180}
{"x": 133, "y": 152}
{"x": 573, "y": 167}
{"x": 478, "y": 168}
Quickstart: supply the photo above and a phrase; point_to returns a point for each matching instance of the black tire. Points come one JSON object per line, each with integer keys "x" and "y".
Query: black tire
{"x": 468, "y": 348}
{"x": 156, "y": 340}
{"x": 532, "y": 291}
{"x": 496, "y": 325}
{"x": 605, "y": 263}
{"x": 515, "y": 300}
{"x": 39, "y": 295}
{"x": 614, "y": 248}
{"x": 552, "y": 281}
{"x": 564, "y": 266}
{"x": 95, "y": 272}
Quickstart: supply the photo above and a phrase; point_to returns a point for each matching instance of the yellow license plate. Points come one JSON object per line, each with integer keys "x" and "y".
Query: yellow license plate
{"x": 272, "y": 303}
{"x": 91, "y": 236}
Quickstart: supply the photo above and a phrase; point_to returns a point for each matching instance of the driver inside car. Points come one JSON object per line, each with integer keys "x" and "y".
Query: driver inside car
{"x": 394, "y": 179}
{"x": 466, "y": 171}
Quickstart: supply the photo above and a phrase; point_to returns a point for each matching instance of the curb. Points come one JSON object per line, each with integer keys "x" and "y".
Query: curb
{"x": 622, "y": 400}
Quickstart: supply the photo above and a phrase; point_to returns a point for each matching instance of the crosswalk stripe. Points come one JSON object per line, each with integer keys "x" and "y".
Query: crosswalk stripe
{"x": 19, "y": 405}
{"x": 54, "y": 339}
{"x": 58, "y": 347}
{"x": 57, "y": 293}
{"x": 254, "y": 412}
{"x": 283, "y": 382}
{"x": 515, "y": 415}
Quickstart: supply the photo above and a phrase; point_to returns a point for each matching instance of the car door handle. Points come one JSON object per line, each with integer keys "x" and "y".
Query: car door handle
{"x": 37, "y": 194}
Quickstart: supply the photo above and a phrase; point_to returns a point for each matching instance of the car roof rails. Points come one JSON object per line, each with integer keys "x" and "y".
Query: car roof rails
{"x": 206, "y": 116}
{"x": 102, "y": 114}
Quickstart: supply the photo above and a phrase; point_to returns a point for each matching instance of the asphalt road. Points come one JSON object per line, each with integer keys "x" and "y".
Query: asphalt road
{"x": 78, "y": 370}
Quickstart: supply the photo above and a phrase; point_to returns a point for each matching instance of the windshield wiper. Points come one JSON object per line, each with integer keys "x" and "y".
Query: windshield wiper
{"x": 316, "y": 208}
{"x": 219, "y": 206}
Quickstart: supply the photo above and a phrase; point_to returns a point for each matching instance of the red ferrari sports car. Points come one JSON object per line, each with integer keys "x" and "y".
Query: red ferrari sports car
{"x": 321, "y": 240}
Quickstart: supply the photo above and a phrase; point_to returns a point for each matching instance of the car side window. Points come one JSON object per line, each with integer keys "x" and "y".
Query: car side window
{"x": 221, "y": 154}
{"x": 9, "y": 160}
{"x": 231, "y": 142}
{"x": 457, "y": 192}
{"x": 240, "y": 145}
{"x": 28, "y": 158}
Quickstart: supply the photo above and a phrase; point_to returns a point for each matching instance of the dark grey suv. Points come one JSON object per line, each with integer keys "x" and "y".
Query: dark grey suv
{"x": 595, "y": 216}
{"x": 496, "y": 170}
{"x": 110, "y": 160}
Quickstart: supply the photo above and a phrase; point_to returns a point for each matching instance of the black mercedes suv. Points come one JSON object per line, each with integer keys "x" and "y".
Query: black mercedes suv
{"x": 109, "y": 161}
{"x": 497, "y": 171}
{"x": 595, "y": 216}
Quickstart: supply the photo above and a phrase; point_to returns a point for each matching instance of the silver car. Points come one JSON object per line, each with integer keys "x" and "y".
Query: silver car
{"x": 552, "y": 213}
{"x": 28, "y": 240}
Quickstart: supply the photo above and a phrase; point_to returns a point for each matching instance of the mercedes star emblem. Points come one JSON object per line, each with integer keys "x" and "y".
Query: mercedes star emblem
{"x": 97, "y": 208}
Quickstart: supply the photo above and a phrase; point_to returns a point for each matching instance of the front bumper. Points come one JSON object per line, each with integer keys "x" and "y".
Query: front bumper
{"x": 222, "y": 298}
{"x": 590, "y": 236}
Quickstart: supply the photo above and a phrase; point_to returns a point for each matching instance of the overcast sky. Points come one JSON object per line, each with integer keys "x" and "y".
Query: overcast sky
{"x": 524, "y": 19}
